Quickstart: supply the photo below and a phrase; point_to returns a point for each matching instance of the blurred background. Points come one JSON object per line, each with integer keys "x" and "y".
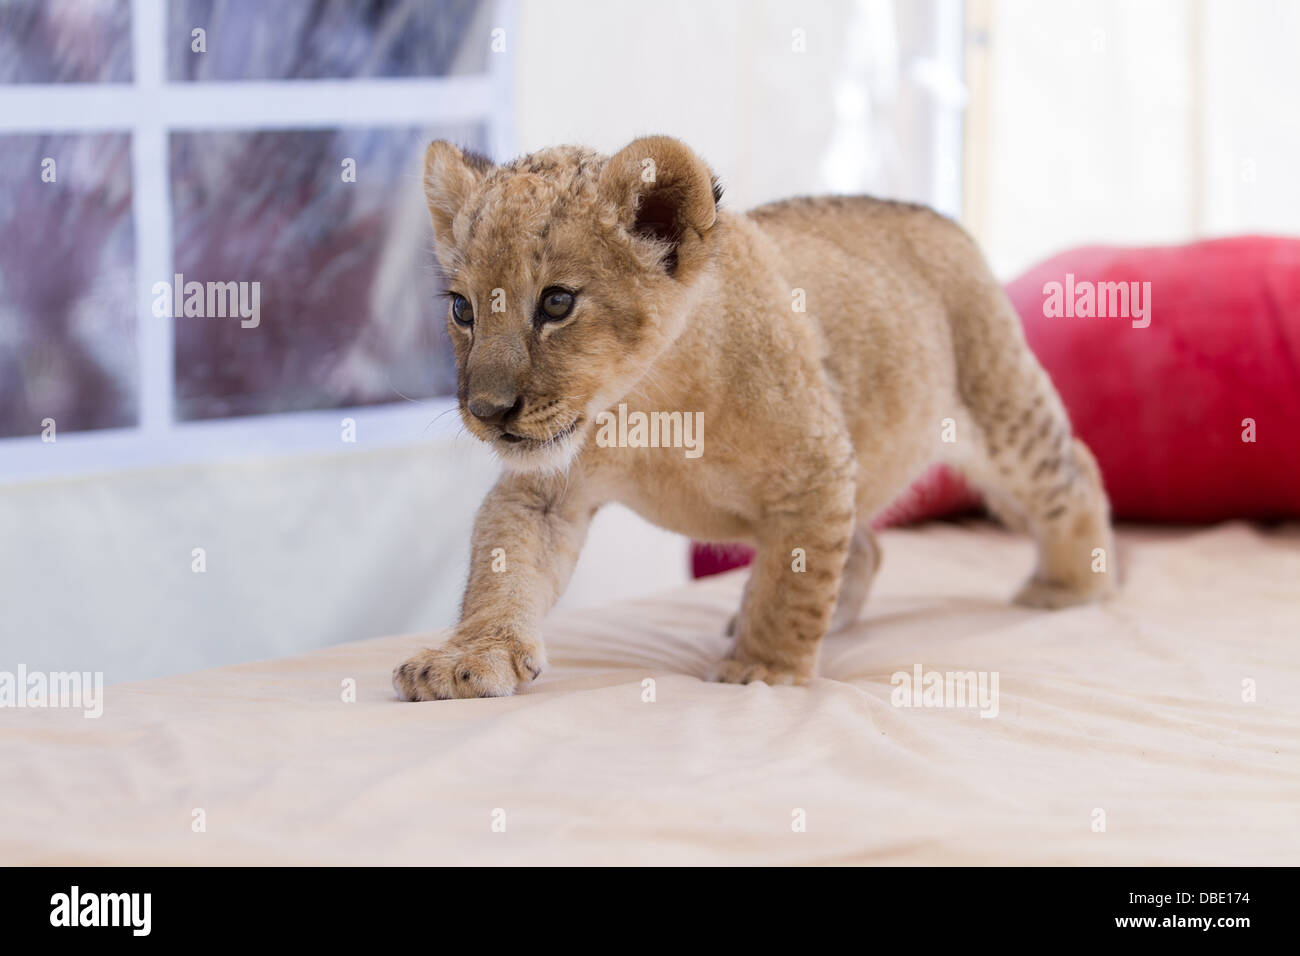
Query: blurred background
{"x": 178, "y": 493}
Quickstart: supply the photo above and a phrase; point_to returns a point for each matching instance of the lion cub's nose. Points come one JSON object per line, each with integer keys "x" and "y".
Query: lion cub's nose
{"x": 492, "y": 410}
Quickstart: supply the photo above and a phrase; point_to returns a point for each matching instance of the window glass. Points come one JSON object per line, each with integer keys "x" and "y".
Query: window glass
{"x": 331, "y": 227}
{"x": 67, "y": 269}
{"x": 65, "y": 41}
{"x": 326, "y": 39}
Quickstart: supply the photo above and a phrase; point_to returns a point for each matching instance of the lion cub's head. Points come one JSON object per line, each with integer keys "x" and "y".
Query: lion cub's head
{"x": 568, "y": 272}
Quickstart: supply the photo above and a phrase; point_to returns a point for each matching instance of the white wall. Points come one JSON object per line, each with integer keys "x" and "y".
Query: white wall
{"x": 719, "y": 74}
{"x": 97, "y": 573}
{"x": 764, "y": 105}
{"x": 1136, "y": 123}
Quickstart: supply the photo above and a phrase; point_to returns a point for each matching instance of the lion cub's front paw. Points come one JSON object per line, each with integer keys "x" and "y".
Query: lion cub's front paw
{"x": 476, "y": 668}
{"x": 733, "y": 671}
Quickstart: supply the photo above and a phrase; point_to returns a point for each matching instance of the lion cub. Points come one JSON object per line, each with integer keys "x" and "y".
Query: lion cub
{"x": 579, "y": 283}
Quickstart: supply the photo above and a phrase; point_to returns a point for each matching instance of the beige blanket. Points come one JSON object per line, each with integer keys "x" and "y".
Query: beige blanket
{"x": 1163, "y": 729}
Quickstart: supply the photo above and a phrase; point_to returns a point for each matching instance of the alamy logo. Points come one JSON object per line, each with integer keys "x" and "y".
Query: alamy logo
{"x": 954, "y": 689}
{"x": 70, "y": 689}
{"x": 651, "y": 430}
{"x": 102, "y": 909}
{"x": 1102, "y": 300}
{"x": 212, "y": 300}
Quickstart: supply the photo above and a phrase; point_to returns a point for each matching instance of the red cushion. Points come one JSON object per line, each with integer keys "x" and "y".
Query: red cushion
{"x": 1161, "y": 406}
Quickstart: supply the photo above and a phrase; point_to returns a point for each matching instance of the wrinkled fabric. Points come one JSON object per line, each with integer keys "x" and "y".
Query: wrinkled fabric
{"x": 1134, "y": 709}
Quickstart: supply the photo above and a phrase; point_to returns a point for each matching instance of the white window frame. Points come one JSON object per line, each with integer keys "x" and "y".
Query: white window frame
{"x": 150, "y": 107}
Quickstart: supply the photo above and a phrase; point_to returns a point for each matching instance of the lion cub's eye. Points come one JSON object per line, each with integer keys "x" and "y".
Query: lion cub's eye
{"x": 556, "y": 303}
{"x": 461, "y": 310}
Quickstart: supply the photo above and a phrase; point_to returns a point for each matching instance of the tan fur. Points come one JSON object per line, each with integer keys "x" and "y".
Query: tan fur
{"x": 814, "y": 420}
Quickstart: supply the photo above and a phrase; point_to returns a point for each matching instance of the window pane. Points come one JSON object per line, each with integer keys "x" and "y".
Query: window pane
{"x": 327, "y": 39}
{"x": 65, "y": 41}
{"x": 348, "y": 311}
{"x": 67, "y": 315}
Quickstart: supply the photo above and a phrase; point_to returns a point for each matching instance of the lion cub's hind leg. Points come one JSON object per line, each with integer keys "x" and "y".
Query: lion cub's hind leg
{"x": 1037, "y": 477}
{"x": 855, "y": 583}
{"x": 1017, "y": 448}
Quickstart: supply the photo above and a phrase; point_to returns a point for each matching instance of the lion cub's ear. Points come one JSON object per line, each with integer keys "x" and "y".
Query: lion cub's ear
{"x": 662, "y": 190}
{"x": 449, "y": 177}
